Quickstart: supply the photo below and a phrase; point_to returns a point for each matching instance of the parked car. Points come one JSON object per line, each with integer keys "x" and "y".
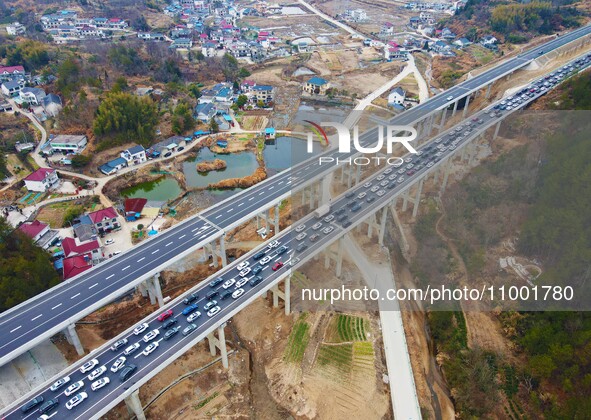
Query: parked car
{"x": 131, "y": 349}
{"x": 48, "y": 405}
{"x": 189, "y": 329}
{"x": 73, "y": 388}
{"x": 32, "y": 403}
{"x": 118, "y": 344}
{"x": 127, "y": 371}
{"x": 165, "y": 315}
{"x": 171, "y": 332}
{"x": 119, "y": 363}
{"x": 191, "y": 298}
{"x": 59, "y": 383}
{"x": 96, "y": 373}
{"x": 77, "y": 399}
{"x": 100, "y": 383}
{"x": 149, "y": 349}
{"x": 189, "y": 309}
{"x": 88, "y": 365}
{"x": 140, "y": 328}
{"x": 169, "y": 323}
{"x": 277, "y": 265}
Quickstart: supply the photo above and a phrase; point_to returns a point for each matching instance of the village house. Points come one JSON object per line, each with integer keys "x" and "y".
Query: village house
{"x": 40, "y": 233}
{"x": 263, "y": 93}
{"x": 12, "y": 87}
{"x": 113, "y": 166}
{"x": 316, "y": 86}
{"x": 42, "y": 180}
{"x": 11, "y": 72}
{"x": 396, "y": 96}
{"x": 32, "y": 95}
{"x": 105, "y": 220}
{"x": 52, "y": 104}
{"x": 73, "y": 247}
{"x": 205, "y": 112}
{"x": 75, "y": 265}
{"x": 68, "y": 143}
{"x": 247, "y": 85}
{"x": 16, "y": 28}
{"x": 134, "y": 155}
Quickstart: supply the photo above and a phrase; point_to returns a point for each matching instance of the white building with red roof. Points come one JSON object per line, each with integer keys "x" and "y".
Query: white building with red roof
{"x": 43, "y": 179}
{"x": 40, "y": 233}
{"x": 11, "y": 72}
{"x": 105, "y": 220}
{"x": 73, "y": 247}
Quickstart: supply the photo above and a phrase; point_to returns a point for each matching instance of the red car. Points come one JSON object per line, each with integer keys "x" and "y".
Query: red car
{"x": 165, "y": 315}
{"x": 277, "y": 265}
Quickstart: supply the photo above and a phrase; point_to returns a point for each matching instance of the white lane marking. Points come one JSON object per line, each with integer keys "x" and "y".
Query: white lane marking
{"x": 17, "y": 328}
{"x": 271, "y": 187}
{"x": 94, "y": 285}
{"x": 56, "y": 306}
{"x": 168, "y": 244}
{"x": 280, "y": 182}
{"x": 124, "y": 268}
{"x": 141, "y": 259}
{"x": 153, "y": 252}
{"x": 218, "y": 216}
{"x": 229, "y": 210}
{"x": 196, "y": 229}
{"x": 181, "y": 237}
{"x": 75, "y": 296}
{"x": 202, "y": 236}
{"x": 135, "y": 357}
{"x": 265, "y": 267}
{"x": 110, "y": 276}
{"x": 261, "y": 193}
{"x": 38, "y": 316}
{"x": 277, "y": 259}
{"x": 251, "y": 198}
{"x": 240, "y": 205}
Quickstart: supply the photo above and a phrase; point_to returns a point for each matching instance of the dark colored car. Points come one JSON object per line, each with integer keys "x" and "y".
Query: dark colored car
{"x": 259, "y": 255}
{"x": 189, "y": 329}
{"x": 169, "y": 323}
{"x": 225, "y": 294}
{"x": 167, "y": 154}
{"x": 48, "y": 405}
{"x": 256, "y": 269}
{"x": 314, "y": 237}
{"x": 390, "y": 186}
{"x": 340, "y": 211}
{"x": 301, "y": 247}
{"x": 346, "y": 223}
{"x": 171, "y": 332}
{"x": 351, "y": 203}
{"x": 356, "y": 207}
{"x": 191, "y": 298}
{"x": 281, "y": 250}
{"x": 189, "y": 309}
{"x": 342, "y": 218}
{"x": 255, "y": 280}
{"x": 350, "y": 194}
{"x": 32, "y": 404}
{"x": 371, "y": 198}
{"x": 211, "y": 295}
{"x": 215, "y": 282}
{"x": 127, "y": 372}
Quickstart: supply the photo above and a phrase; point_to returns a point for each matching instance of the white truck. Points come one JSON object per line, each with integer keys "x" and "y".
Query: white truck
{"x": 322, "y": 211}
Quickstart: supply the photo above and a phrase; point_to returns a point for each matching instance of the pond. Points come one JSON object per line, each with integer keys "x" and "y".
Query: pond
{"x": 285, "y": 152}
{"x": 161, "y": 190}
{"x": 238, "y": 165}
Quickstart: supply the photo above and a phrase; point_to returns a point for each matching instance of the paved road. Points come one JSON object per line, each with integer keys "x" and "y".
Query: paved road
{"x": 308, "y": 236}
{"x": 48, "y": 313}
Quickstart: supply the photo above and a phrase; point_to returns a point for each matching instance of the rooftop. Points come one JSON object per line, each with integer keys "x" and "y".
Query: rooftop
{"x": 40, "y": 174}
{"x": 33, "y": 228}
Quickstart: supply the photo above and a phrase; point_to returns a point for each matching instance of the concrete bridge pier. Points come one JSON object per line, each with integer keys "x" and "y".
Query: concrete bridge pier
{"x": 446, "y": 171}
{"x": 488, "y": 89}
{"x": 497, "y": 128}
{"x": 417, "y": 198}
{"x": 455, "y": 109}
{"x": 276, "y": 218}
{"x": 73, "y": 339}
{"x": 337, "y": 256}
{"x": 466, "y": 106}
{"x": 220, "y": 343}
{"x": 441, "y": 125}
{"x": 211, "y": 248}
{"x": 284, "y": 295}
{"x": 134, "y": 405}
{"x": 324, "y": 196}
{"x": 154, "y": 290}
{"x": 143, "y": 289}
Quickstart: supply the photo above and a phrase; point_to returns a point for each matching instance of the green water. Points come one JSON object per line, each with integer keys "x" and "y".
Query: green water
{"x": 162, "y": 190}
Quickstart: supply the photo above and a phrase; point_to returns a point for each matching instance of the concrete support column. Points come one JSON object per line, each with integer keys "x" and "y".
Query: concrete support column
{"x": 431, "y": 121}
{"x": 417, "y": 199}
{"x": 324, "y": 197}
{"x": 276, "y": 219}
{"x": 488, "y": 91}
{"x": 405, "y": 200}
{"x": 442, "y": 121}
{"x": 142, "y": 288}
{"x": 382, "y": 231}
{"x": 156, "y": 291}
{"x": 73, "y": 339}
{"x": 466, "y": 106}
{"x": 349, "y": 176}
{"x": 336, "y": 256}
{"x": 287, "y": 294}
{"x": 220, "y": 343}
{"x": 357, "y": 174}
{"x": 223, "y": 250}
{"x": 497, "y": 128}
{"x": 134, "y": 405}
{"x": 446, "y": 172}
{"x": 211, "y": 248}
{"x": 455, "y": 108}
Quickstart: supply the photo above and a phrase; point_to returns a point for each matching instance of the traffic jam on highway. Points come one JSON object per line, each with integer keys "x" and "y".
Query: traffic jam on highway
{"x": 200, "y": 308}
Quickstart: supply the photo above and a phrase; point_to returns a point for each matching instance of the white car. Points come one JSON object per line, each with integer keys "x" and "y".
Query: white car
{"x": 367, "y": 184}
{"x": 381, "y": 193}
{"x": 401, "y": 171}
{"x": 140, "y": 329}
{"x": 241, "y": 282}
{"x": 265, "y": 260}
{"x": 383, "y": 183}
{"x": 430, "y": 164}
{"x": 242, "y": 265}
{"x": 109, "y": 241}
{"x": 380, "y": 177}
{"x": 96, "y": 373}
{"x": 294, "y": 261}
{"x": 449, "y": 98}
{"x": 229, "y": 283}
{"x": 400, "y": 179}
{"x": 131, "y": 349}
{"x": 273, "y": 244}
{"x": 88, "y": 365}
{"x": 210, "y": 305}
{"x": 392, "y": 177}
{"x": 151, "y": 335}
{"x": 318, "y": 225}
{"x": 73, "y": 388}
{"x": 300, "y": 228}
{"x": 244, "y": 272}
{"x": 213, "y": 311}
{"x": 327, "y": 230}
{"x": 193, "y": 316}
{"x": 153, "y": 346}
{"x": 301, "y": 236}
{"x": 77, "y": 399}
{"x": 237, "y": 293}
{"x": 100, "y": 383}
{"x": 119, "y": 363}
{"x": 329, "y": 218}
{"x": 361, "y": 195}
{"x": 375, "y": 188}
{"x": 387, "y": 171}
{"x": 59, "y": 383}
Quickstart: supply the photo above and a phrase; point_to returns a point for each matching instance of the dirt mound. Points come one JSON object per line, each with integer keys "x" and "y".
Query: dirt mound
{"x": 211, "y": 165}
{"x": 248, "y": 181}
